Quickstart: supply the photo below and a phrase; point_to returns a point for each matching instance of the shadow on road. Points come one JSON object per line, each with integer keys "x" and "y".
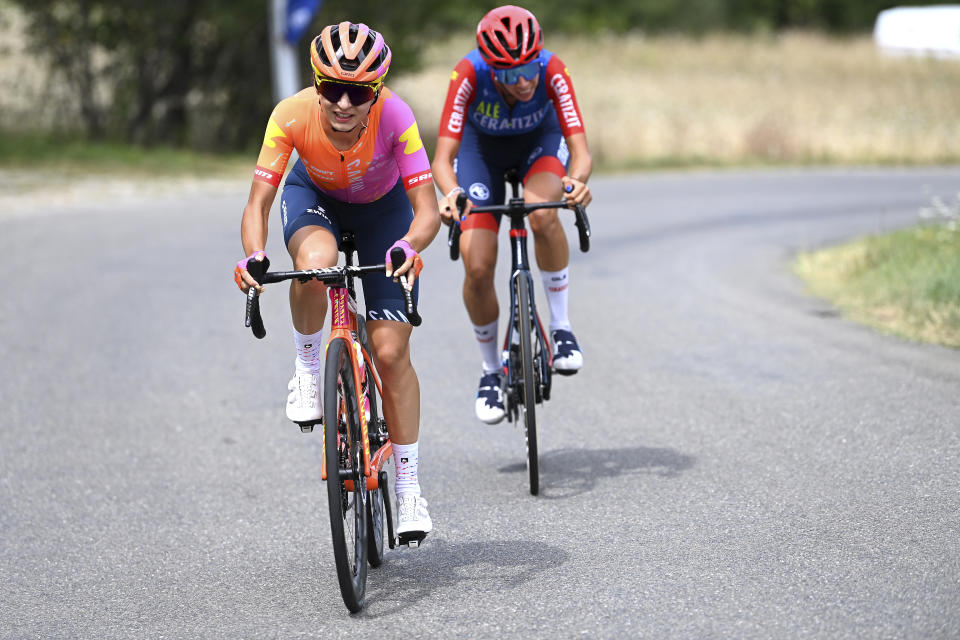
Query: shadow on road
{"x": 490, "y": 565}
{"x": 565, "y": 473}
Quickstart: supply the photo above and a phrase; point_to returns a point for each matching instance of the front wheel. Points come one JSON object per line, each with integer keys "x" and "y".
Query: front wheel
{"x": 528, "y": 401}
{"x": 346, "y": 484}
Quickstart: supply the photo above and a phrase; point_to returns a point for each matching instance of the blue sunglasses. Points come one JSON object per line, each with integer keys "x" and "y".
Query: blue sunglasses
{"x": 512, "y": 75}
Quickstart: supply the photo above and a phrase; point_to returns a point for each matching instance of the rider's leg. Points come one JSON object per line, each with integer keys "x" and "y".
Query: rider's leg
{"x": 553, "y": 257}
{"x": 390, "y": 343}
{"x": 311, "y": 247}
{"x": 550, "y": 245}
{"x": 478, "y": 247}
{"x": 549, "y": 238}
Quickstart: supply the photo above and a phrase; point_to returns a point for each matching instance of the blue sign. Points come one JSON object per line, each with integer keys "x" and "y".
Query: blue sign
{"x": 299, "y": 15}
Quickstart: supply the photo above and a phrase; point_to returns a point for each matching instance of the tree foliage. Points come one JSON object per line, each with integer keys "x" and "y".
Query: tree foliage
{"x": 180, "y": 72}
{"x": 196, "y": 73}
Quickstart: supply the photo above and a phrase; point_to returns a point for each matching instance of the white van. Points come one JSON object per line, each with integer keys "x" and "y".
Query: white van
{"x": 932, "y": 31}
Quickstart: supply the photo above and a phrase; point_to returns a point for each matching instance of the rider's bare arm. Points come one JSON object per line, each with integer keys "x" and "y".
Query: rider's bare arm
{"x": 444, "y": 176}
{"x": 253, "y": 225}
{"x": 581, "y": 165}
{"x": 426, "y": 223}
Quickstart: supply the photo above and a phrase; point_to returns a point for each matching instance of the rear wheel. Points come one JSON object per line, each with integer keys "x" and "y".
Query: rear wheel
{"x": 528, "y": 401}
{"x": 377, "y": 431}
{"x": 346, "y": 485}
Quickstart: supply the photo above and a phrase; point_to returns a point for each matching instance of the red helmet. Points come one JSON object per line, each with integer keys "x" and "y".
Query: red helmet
{"x": 350, "y": 53}
{"x": 509, "y": 36}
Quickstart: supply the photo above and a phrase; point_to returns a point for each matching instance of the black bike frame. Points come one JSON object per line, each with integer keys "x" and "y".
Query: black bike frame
{"x": 520, "y": 268}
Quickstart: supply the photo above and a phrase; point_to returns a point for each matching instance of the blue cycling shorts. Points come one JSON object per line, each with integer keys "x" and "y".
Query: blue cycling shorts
{"x": 482, "y": 160}
{"x": 375, "y": 225}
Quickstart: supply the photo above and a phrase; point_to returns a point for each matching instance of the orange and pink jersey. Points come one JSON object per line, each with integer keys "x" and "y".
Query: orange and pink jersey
{"x": 389, "y": 148}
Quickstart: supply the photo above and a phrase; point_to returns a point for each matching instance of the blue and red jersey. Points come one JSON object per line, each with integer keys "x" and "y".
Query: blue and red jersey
{"x": 473, "y": 100}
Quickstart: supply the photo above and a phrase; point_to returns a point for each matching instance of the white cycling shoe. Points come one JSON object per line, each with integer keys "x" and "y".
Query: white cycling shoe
{"x": 489, "y": 405}
{"x": 413, "y": 519}
{"x": 303, "y": 403}
{"x": 567, "y": 356}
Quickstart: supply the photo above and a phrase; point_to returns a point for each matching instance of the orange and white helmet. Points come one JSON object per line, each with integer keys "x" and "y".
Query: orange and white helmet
{"x": 509, "y": 36}
{"x": 350, "y": 52}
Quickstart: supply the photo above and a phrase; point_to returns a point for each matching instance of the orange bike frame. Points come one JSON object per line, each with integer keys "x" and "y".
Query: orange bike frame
{"x": 343, "y": 320}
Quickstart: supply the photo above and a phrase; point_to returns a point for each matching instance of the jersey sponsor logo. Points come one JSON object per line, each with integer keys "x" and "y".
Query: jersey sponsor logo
{"x": 489, "y": 109}
{"x": 355, "y": 175}
{"x": 417, "y": 179}
{"x": 273, "y": 131}
{"x": 454, "y": 75}
{"x": 479, "y": 191}
{"x": 323, "y": 174}
{"x": 412, "y": 137}
{"x": 265, "y": 175}
{"x": 567, "y": 108}
{"x": 519, "y": 123}
{"x": 455, "y": 125}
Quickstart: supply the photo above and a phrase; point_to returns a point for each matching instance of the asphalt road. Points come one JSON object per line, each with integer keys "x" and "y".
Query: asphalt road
{"x": 733, "y": 461}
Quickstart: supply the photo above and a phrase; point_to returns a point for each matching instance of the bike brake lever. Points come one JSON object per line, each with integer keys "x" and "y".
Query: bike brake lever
{"x": 397, "y": 258}
{"x": 257, "y": 269}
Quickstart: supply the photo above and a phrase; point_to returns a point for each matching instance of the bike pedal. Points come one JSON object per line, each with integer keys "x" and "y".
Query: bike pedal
{"x": 564, "y": 372}
{"x": 307, "y": 427}
{"x": 412, "y": 539}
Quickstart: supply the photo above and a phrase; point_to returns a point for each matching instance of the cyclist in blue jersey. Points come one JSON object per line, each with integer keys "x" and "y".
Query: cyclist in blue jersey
{"x": 511, "y": 104}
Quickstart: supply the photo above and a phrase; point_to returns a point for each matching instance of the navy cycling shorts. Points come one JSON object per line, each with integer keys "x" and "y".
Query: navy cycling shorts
{"x": 375, "y": 225}
{"x": 482, "y": 160}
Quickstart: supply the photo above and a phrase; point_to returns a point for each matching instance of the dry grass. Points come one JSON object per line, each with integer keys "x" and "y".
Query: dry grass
{"x": 793, "y": 98}
{"x": 723, "y": 99}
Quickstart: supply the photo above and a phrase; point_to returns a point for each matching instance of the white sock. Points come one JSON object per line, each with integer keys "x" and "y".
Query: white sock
{"x": 489, "y": 349}
{"x": 557, "y": 287}
{"x": 406, "y": 457}
{"x": 309, "y": 351}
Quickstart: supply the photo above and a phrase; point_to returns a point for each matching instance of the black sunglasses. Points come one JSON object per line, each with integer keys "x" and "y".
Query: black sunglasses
{"x": 357, "y": 93}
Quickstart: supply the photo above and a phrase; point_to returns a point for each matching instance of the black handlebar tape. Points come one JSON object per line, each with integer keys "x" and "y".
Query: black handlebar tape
{"x": 583, "y": 227}
{"x": 453, "y": 239}
{"x": 397, "y": 258}
{"x": 253, "y": 319}
{"x": 257, "y": 269}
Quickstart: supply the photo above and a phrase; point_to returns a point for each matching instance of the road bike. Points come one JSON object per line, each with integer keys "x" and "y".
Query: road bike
{"x": 356, "y": 445}
{"x": 527, "y": 358}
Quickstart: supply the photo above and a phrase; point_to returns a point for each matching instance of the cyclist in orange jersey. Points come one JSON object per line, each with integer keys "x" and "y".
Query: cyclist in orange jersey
{"x": 362, "y": 167}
